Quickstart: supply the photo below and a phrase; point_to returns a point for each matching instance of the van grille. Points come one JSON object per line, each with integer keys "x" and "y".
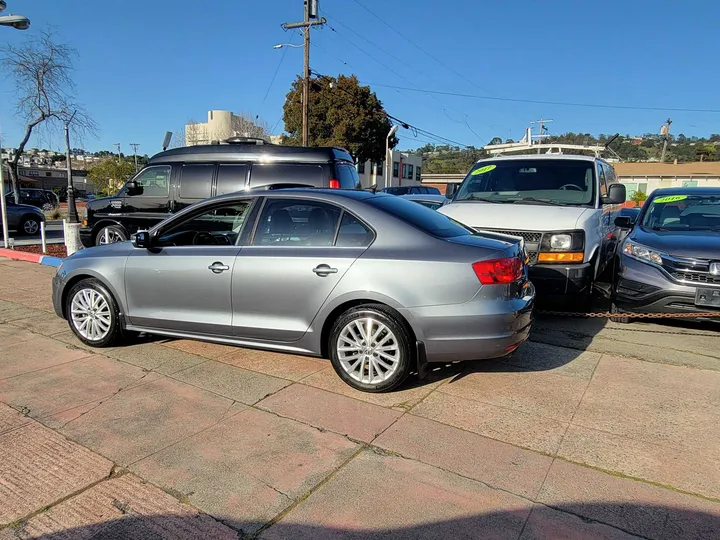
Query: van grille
{"x": 529, "y": 236}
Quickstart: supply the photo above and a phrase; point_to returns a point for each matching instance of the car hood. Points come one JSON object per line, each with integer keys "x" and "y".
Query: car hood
{"x": 683, "y": 244}
{"x": 24, "y": 208}
{"x": 515, "y": 216}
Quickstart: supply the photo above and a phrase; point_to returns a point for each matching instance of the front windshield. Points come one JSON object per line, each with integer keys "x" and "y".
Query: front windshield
{"x": 683, "y": 213}
{"x": 534, "y": 181}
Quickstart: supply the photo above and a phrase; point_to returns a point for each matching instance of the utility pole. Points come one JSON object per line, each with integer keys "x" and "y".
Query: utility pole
{"x": 665, "y": 132}
{"x": 135, "y": 147}
{"x": 311, "y": 12}
{"x": 117, "y": 145}
{"x": 72, "y": 207}
{"x": 540, "y": 134}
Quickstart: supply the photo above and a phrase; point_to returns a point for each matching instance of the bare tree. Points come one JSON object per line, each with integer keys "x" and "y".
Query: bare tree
{"x": 245, "y": 124}
{"x": 42, "y": 73}
{"x": 189, "y": 135}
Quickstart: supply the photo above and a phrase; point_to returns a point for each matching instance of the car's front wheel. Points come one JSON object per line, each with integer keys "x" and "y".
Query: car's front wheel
{"x": 93, "y": 314}
{"x": 370, "y": 348}
{"x": 29, "y": 226}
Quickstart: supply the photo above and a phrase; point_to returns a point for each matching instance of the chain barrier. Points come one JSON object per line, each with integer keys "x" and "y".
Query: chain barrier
{"x": 607, "y": 314}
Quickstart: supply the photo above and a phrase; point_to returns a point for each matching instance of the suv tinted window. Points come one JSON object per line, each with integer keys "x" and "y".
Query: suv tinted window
{"x": 231, "y": 178}
{"x": 397, "y": 190}
{"x": 285, "y": 173}
{"x": 195, "y": 181}
{"x": 293, "y": 222}
{"x": 420, "y": 216}
{"x": 348, "y": 177}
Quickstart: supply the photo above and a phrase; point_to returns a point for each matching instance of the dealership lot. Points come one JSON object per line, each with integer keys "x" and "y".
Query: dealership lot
{"x": 592, "y": 428}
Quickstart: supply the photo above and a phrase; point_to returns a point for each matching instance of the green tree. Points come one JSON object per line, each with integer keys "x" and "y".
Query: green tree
{"x": 638, "y": 197}
{"x": 109, "y": 175}
{"x": 341, "y": 113}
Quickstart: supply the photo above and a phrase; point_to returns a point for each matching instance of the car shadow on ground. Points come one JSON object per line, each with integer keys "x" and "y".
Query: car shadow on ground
{"x": 592, "y": 520}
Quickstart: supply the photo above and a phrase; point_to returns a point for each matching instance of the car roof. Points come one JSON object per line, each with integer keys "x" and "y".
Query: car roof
{"x": 250, "y": 152}
{"x": 687, "y": 191}
{"x": 312, "y": 193}
{"x": 424, "y": 197}
{"x": 516, "y": 157}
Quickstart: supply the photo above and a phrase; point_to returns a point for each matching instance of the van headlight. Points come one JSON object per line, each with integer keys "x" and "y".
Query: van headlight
{"x": 642, "y": 253}
{"x": 561, "y": 242}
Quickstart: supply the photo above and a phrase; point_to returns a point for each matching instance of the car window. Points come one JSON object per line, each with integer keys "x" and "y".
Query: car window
{"x": 195, "y": 181}
{"x": 153, "y": 182}
{"x": 420, "y": 216}
{"x": 397, "y": 190}
{"x": 293, "y": 222}
{"x": 602, "y": 179}
{"x": 217, "y": 227}
{"x": 286, "y": 173}
{"x": 353, "y": 233}
{"x": 231, "y": 178}
{"x": 433, "y": 190}
{"x": 348, "y": 177}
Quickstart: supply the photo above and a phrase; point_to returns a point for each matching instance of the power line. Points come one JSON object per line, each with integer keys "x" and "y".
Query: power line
{"x": 418, "y": 46}
{"x": 543, "y": 102}
{"x": 282, "y": 57}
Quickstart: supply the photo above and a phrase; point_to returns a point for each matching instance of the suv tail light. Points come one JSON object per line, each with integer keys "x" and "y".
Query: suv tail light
{"x": 334, "y": 184}
{"x": 499, "y": 270}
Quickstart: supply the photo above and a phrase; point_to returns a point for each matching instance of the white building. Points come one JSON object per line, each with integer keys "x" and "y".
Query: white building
{"x": 405, "y": 170}
{"x": 221, "y": 125}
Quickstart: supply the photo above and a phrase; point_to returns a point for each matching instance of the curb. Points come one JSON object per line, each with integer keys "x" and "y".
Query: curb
{"x": 30, "y": 257}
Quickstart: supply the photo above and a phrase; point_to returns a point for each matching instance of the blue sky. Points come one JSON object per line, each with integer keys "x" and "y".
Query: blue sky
{"x": 148, "y": 67}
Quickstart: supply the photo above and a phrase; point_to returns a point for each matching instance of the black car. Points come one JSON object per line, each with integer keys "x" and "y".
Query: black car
{"x": 180, "y": 177}
{"x": 411, "y": 190}
{"x": 670, "y": 260}
{"x": 39, "y": 198}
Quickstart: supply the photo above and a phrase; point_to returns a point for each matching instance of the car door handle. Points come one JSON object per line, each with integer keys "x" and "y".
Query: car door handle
{"x": 218, "y": 267}
{"x": 323, "y": 270}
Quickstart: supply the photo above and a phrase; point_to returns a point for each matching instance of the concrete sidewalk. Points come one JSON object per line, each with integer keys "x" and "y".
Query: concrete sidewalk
{"x": 184, "y": 439}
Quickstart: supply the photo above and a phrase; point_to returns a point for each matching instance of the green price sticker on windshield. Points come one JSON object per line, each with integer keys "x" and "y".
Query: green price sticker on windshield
{"x": 482, "y": 170}
{"x": 670, "y": 198}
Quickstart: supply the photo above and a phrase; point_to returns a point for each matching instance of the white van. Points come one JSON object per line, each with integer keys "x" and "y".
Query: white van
{"x": 562, "y": 205}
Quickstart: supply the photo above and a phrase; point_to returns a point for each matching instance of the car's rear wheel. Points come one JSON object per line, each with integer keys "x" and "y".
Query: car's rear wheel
{"x": 110, "y": 235}
{"x": 93, "y": 314}
{"x": 370, "y": 348}
{"x": 29, "y": 226}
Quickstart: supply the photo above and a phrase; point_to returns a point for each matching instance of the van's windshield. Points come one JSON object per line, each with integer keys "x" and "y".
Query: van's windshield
{"x": 563, "y": 182}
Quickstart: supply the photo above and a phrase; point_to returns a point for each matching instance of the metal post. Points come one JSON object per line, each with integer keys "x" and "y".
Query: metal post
{"x": 306, "y": 78}
{"x": 135, "y": 147}
{"x": 72, "y": 208}
{"x": 3, "y": 208}
{"x": 42, "y": 237}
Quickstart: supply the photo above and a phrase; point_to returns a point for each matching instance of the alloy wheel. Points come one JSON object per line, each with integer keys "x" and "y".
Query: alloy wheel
{"x": 90, "y": 314}
{"x": 110, "y": 236}
{"x": 368, "y": 351}
{"x": 31, "y": 226}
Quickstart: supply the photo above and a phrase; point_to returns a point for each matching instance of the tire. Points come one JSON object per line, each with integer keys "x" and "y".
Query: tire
{"x": 115, "y": 234}
{"x": 373, "y": 370}
{"x": 29, "y": 226}
{"x": 89, "y": 301}
{"x": 47, "y": 207}
{"x": 621, "y": 319}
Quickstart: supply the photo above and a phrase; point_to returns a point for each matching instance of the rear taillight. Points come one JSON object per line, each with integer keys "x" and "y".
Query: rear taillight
{"x": 499, "y": 270}
{"x": 334, "y": 184}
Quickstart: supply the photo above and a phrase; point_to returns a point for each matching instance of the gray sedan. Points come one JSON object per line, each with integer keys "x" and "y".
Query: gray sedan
{"x": 380, "y": 285}
{"x": 23, "y": 219}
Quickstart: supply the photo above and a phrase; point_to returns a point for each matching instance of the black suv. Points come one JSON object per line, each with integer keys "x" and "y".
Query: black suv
{"x": 180, "y": 177}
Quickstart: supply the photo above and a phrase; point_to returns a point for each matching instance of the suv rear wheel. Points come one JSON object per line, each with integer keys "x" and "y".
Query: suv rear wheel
{"x": 370, "y": 348}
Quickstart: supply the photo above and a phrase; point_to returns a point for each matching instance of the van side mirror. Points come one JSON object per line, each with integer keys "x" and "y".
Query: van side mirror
{"x": 616, "y": 194}
{"x": 141, "y": 239}
{"x": 132, "y": 187}
{"x": 451, "y": 189}
{"x": 623, "y": 222}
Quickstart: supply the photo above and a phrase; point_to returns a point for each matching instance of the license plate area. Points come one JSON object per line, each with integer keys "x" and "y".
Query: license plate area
{"x": 707, "y": 297}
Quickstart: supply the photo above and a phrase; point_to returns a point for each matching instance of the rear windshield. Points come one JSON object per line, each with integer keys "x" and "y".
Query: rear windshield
{"x": 536, "y": 181}
{"x": 420, "y": 216}
{"x": 347, "y": 176}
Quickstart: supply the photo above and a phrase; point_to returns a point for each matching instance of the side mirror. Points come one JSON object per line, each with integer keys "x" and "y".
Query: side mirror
{"x": 616, "y": 194}
{"x": 451, "y": 189}
{"x": 132, "y": 187}
{"x": 141, "y": 239}
{"x": 623, "y": 222}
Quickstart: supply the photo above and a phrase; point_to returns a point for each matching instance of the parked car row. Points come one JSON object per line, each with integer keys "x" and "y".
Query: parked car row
{"x": 23, "y": 219}
{"x": 277, "y": 248}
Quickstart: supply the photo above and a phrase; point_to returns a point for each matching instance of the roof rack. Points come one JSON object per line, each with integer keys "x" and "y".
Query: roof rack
{"x": 242, "y": 140}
